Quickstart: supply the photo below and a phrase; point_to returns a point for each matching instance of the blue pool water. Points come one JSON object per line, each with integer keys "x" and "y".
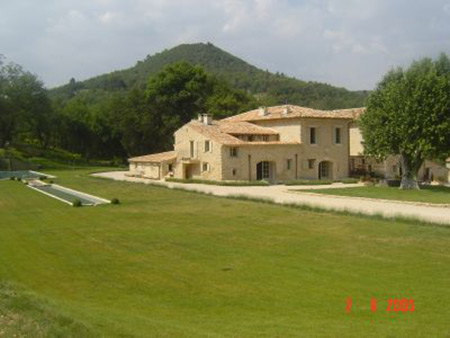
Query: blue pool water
{"x": 21, "y": 174}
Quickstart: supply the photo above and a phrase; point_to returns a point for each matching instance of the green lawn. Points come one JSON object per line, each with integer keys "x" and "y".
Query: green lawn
{"x": 429, "y": 194}
{"x": 168, "y": 263}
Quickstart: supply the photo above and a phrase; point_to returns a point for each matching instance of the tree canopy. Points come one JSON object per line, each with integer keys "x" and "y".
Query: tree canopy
{"x": 409, "y": 115}
{"x": 24, "y": 105}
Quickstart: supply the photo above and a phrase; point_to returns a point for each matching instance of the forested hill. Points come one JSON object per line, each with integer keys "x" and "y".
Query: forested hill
{"x": 267, "y": 88}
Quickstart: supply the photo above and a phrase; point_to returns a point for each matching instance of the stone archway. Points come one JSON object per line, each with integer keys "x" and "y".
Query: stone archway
{"x": 265, "y": 170}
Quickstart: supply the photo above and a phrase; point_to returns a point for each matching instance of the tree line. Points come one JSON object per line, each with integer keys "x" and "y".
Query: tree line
{"x": 124, "y": 123}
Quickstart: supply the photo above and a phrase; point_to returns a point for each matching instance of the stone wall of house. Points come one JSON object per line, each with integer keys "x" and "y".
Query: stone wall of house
{"x": 325, "y": 149}
{"x": 311, "y": 155}
{"x": 356, "y": 146}
{"x": 146, "y": 170}
{"x": 433, "y": 171}
{"x": 243, "y": 167}
{"x": 203, "y": 164}
{"x": 289, "y": 129}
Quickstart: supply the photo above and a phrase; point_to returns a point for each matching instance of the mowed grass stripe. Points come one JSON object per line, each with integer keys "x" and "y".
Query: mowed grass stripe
{"x": 174, "y": 263}
{"x": 427, "y": 194}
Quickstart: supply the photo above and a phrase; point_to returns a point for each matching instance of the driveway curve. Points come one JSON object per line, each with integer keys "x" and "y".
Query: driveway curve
{"x": 283, "y": 195}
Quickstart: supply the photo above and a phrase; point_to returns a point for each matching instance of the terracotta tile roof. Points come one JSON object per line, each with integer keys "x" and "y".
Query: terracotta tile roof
{"x": 290, "y": 111}
{"x": 155, "y": 158}
{"x": 222, "y": 132}
{"x": 213, "y": 132}
{"x": 244, "y": 128}
{"x": 282, "y": 143}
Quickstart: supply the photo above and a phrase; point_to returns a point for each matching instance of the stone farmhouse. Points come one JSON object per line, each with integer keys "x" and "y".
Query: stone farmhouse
{"x": 275, "y": 144}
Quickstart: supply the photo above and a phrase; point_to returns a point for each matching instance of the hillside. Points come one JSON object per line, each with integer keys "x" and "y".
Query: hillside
{"x": 269, "y": 88}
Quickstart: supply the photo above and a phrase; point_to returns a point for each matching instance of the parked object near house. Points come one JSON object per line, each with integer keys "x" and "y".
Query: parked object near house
{"x": 273, "y": 144}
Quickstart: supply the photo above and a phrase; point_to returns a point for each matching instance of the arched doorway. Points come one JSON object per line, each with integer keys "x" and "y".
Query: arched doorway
{"x": 265, "y": 170}
{"x": 325, "y": 170}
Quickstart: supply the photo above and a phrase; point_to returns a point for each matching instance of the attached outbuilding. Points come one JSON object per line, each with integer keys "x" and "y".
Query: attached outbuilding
{"x": 154, "y": 166}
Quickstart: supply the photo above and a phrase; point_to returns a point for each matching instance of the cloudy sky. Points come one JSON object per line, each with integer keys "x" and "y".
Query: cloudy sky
{"x": 349, "y": 43}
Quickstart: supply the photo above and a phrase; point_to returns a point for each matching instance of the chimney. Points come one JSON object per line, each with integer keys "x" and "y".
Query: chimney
{"x": 200, "y": 117}
{"x": 207, "y": 119}
{"x": 263, "y": 111}
{"x": 285, "y": 111}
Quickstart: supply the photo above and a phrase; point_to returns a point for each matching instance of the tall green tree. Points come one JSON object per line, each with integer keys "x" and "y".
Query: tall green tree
{"x": 179, "y": 92}
{"x": 136, "y": 123}
{"x": 24, "y": 105}
{"x": 409, "y": 115}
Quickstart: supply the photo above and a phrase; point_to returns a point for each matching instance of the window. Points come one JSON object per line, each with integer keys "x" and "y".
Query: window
{"x": 324, "y": 169}
{"x": 207, "y": 146}
{"x": 250, "y": 138}
{"x": 233, "y": 152}
{"x": 135, "y": 166}
{"x": 191, "y": 148}
{"x": 265, "y": 170}
{"x": 289, "y": 164}
{"x": 311, "y": 163}
{"x": 337, "y": 135}
{"x": 312, "y": 135}
{"x": 234, "y": 172}
{"x": 265, "y": 138}
{"x": 170, "y": 167}
{"x": 205, "y": 167}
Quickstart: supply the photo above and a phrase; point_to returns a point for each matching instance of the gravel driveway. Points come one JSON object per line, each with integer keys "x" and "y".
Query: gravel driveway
{"x": 281, "y": 194}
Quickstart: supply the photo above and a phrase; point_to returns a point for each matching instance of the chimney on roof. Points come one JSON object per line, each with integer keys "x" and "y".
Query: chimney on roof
{"x": 285, "y": 111}
{"x": 207, "y": 119}
{"x": 263, "y": 111}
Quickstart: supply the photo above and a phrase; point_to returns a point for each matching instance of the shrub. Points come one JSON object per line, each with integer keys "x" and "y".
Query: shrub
{"x": 42, "y": 178}
{"x": 18, "y": 179}
{"x": 51, "y": 182}
{"x": 393, "y": 183}
{"x": 76, "y": 203}
{"x": 308, "y": 182}
{"x": 349, "y": 180}
{"x": 12, "y": 178}
{"x": 222, "y": 183}
{"x": 115, "y": 201}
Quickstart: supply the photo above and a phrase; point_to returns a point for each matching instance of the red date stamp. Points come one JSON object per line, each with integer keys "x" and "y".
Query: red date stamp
{"x": 393, "y": 305}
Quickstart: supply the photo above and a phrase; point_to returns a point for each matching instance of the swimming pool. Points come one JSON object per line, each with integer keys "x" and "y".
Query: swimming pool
{"x": 4, "y": 175}
{"x": 66, "y": 195}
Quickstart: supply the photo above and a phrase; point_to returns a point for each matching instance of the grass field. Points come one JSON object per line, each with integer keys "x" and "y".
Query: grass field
{"x": 427, "y": 194}
{"x": 170, "y": 263}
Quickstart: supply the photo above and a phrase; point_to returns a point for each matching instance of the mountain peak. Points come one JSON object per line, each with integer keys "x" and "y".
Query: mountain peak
{"x": 274, "y": 88}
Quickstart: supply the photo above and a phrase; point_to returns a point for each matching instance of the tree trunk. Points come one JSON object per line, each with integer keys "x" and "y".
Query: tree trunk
{"x": 410, "y": 168}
